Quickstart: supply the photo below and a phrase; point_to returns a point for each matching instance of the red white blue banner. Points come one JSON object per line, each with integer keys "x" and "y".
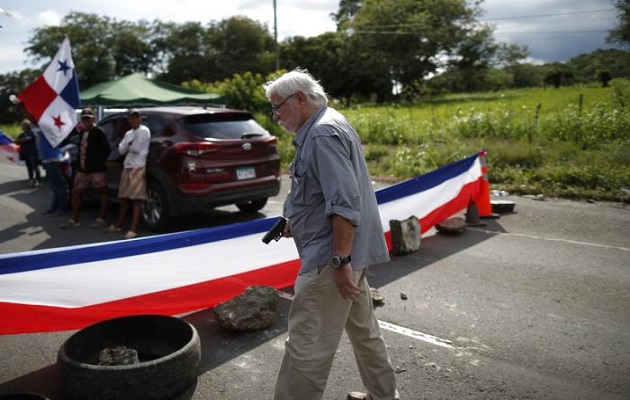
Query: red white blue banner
{"x": 72, "y": 287}
{"x": 54, "y": 96}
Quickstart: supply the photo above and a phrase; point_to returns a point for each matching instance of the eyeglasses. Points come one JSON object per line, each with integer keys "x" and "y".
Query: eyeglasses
{"x": 275, "y": 109}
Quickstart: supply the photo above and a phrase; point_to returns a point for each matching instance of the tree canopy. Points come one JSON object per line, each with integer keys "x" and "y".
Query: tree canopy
{"x": 382, "y": 50}
{"x": 621, "y": 33}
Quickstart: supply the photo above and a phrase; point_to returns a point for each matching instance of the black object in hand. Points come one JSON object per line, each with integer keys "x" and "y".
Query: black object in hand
{"x": 275, "y": 232}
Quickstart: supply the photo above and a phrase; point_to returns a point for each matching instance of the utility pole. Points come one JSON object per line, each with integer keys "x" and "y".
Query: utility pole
{"x": 275, "y": 34}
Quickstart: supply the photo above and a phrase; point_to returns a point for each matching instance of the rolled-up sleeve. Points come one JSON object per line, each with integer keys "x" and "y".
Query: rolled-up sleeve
{"x": 336, "y": 176}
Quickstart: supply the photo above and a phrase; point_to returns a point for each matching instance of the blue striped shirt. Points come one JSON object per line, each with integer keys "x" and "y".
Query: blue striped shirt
{"x": 329, "y": 176}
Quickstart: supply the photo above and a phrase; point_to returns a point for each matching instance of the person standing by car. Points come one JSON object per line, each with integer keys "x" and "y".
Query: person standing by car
{"x": 133, "y": 186}
{"x": 334, "y": 219}
{"x": 54, "y": 163}
{"x": 28, "y": 152}
{"x": 93, "y": 152}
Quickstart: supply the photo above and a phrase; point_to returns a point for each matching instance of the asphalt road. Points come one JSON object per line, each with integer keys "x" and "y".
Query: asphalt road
{"x": 532, "y": 306}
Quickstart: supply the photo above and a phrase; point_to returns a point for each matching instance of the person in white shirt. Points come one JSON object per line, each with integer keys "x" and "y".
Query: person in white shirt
{"x": 133, "y": 184}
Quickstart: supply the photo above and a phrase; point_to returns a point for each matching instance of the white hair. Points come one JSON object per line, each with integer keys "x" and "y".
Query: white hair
{"x": 298, "y": 80}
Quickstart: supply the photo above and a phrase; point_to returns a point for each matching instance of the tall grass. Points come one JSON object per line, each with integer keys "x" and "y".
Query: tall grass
{"x": 569, "y": 142}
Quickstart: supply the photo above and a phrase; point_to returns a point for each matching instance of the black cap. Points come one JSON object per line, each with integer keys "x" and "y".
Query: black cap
{"x": 87, "y": 112}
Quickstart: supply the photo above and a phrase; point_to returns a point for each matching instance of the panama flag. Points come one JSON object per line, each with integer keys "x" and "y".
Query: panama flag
{"x": 9, "y": 149}
{"x": 54, "y": 96}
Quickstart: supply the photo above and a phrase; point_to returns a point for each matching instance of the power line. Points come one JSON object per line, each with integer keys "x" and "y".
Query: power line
{"x": 377, "y": 29}
{"x": 548, "y": 32}
{"x": 549, "y": 15}
{"x": 371, "y": 32}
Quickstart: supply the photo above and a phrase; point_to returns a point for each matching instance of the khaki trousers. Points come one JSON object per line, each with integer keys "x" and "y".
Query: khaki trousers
{"x": 317, "y": 319}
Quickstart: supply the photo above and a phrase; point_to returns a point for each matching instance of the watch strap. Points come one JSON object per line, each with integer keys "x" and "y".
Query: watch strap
{"x": 341, "y": 261}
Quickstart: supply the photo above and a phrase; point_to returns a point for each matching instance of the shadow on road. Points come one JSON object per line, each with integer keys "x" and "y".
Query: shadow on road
{"x": 44, "y": 231}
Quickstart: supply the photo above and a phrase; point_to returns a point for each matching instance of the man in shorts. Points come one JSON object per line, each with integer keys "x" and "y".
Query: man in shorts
{"x": 133, "y": 185}
{"x": 93, "y": 152}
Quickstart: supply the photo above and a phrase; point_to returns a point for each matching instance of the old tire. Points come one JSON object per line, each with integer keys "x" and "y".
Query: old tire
{"x": 502, "y": 206}
{"x": 155, "y": 208}
{"x": 169, "y": 350}
{"x": 252, "y": 206}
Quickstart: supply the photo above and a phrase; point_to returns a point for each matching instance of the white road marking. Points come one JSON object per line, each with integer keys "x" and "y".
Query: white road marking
{"x": 425, "y": 337}
{"x": 603, "y": 246}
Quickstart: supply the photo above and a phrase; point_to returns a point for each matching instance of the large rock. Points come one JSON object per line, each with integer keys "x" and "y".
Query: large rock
{"x": 406, "y": 235}
{"x": 377, "y": 298}
{"x": 256, "y": 308}
{"x": 120, "y": 355}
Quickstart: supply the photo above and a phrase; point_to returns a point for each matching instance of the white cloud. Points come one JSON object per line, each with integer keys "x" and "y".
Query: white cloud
{"x": 517, "y": 21}
{"x": 9, "y": 54}
{"x": 553, "y": 30}
{"x": 49, "y": 17}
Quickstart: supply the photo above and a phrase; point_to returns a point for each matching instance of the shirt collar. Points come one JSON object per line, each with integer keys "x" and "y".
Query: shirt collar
{"x": 302, "y": 133}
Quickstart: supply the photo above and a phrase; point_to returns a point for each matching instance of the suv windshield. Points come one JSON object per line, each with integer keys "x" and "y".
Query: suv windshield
{"x": 232, "y": 127}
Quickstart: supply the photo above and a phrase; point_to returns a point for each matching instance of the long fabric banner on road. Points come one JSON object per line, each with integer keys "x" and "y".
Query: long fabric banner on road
{"x": 72, "y": 287}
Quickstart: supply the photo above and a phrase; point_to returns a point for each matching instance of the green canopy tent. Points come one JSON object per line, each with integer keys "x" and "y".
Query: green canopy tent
{"x": 137, "y": 90}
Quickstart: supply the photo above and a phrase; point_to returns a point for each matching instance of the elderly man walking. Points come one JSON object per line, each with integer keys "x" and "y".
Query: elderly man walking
{"x": 334, "y": 219}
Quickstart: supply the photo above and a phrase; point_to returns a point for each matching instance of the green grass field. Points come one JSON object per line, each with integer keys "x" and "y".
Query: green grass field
{"x": 568, "y": 142}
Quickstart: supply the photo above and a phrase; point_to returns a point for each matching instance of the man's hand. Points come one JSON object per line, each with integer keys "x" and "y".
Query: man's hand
{"x": 286, "y": 232}
{"x": 343, "y": 279}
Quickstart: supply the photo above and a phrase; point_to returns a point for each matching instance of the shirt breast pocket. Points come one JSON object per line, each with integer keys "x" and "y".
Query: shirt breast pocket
{"x": 299, "y": 184}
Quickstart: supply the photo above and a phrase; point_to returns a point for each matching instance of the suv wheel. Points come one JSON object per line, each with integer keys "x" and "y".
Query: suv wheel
{"x": 155, "y": 210}
{"x": 252, "y": 206}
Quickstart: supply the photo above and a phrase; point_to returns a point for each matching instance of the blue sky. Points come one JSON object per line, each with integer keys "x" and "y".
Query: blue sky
{"x": 553, "y": 30}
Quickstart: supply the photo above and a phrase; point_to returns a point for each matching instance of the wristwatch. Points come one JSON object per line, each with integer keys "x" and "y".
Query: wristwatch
{"x": 338, "y": 262}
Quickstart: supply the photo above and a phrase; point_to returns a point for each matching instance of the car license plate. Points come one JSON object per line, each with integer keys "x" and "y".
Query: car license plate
{"x": 245, "y": 173}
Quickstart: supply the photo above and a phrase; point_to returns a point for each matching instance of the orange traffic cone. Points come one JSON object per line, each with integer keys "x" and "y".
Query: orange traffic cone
{"x": 472, "y": 215}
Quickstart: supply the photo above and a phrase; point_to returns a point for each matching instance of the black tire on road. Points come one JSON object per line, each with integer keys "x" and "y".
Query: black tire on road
{"x": 168, "y": 348}
{"x": 252, "y": 206}
{"x": 155, "y": 209}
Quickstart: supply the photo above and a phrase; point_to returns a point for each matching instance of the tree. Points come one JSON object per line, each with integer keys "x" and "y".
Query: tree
{"x": 509, "y": 55}
{"x": 102, "y": 48}
{"x": 526, "y": 75}
{"x": 185, "y": 48}
{"x": 241, "y": 44}
{"x": 588, "y": 66}
{"x": 13, "y": 83}
{"x": 215, "y": 52}
{"x": 604, "y": 78}
{"x": 412, "y": 38}
{"x": 321, "y": 55}
{"x": 473, "y": 60}
{"x": 345, "y": 14}
{"x": 131, "y": 54}
{"x": 332, "y": 55}
{"x": 558, "y": 74}
{"x": 621, "y": 34}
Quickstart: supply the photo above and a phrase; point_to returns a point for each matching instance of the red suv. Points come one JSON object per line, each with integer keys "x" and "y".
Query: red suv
{"x": 199, "y": 158}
